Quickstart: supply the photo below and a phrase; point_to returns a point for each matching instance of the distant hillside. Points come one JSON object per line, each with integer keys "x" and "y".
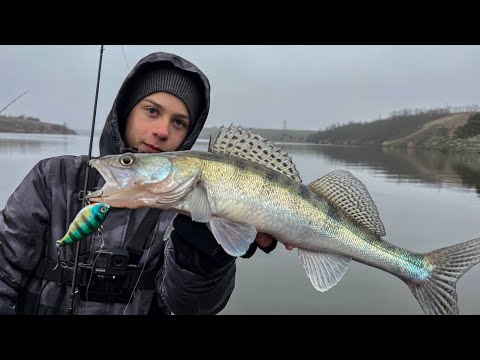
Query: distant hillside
{"x": 22, "y": 124}
{"x": 432, "y": 129}
{"x": 276, "y": 135}
{"x": 86, "y": 132}
{"x": 398, "y": 125}
{"x": 437, "y": 134}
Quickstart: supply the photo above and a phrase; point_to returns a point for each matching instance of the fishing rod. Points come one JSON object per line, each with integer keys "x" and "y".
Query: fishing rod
{"x": 11, "y": 102}
{"x": 92, "y": 130}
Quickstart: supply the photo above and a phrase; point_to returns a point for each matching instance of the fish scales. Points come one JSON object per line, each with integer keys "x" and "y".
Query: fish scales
{"x": 247, "y": 192}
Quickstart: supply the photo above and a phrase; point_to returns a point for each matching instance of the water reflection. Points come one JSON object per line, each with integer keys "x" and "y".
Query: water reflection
{"x": 435, "y": 168}
{"x": 18, "y": 145}
{"x": 15, "y": 144}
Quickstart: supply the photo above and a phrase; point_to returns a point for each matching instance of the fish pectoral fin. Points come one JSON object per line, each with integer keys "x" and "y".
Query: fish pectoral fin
{"x": 199, "y": 205}
{"x": 324, "y": 270}
{"x": 234, "y": 237}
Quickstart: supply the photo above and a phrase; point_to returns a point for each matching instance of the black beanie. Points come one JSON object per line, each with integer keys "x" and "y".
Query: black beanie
{"x": 171, "y": 80}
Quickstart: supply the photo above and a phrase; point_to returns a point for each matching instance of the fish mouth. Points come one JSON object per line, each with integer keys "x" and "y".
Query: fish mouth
{"x": 112, "y": 184}
{"x": 97, "y": 196}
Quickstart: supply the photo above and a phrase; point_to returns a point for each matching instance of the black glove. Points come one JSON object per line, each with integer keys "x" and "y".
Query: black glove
{"x": 253, "y": 247}
{"x": 269, "y": 248}
{"x": 196, "y": 249}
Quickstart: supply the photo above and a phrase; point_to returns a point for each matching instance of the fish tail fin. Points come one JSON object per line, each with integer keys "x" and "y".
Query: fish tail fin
{"x": 437, "y": 295}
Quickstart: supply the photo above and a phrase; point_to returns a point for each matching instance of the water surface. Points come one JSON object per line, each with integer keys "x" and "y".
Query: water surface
{"x": 426, "y": 200}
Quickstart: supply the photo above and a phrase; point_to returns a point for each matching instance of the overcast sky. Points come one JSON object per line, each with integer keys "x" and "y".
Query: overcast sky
{"x": 309, "y": 87}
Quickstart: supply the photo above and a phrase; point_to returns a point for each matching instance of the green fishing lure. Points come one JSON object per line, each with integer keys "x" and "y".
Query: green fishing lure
{"x": 87, "y": 221}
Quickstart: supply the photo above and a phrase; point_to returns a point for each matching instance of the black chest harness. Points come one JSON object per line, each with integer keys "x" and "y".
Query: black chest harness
{"x": 111, "y": 275}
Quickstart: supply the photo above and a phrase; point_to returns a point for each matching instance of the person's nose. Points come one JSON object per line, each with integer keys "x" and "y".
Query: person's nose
{"x": 161, "y": 128}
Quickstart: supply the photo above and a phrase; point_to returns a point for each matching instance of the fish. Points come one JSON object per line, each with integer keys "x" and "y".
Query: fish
{"x": 245, "y": 184}
{"x": 88, "y": 220}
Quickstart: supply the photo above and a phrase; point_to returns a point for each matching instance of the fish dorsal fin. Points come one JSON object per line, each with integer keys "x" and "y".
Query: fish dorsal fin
{"x": 235, "y": 141}
{"x": 349, "y": 195}
{"x": 324, "y": 270}
{"x": 220, "y": 140}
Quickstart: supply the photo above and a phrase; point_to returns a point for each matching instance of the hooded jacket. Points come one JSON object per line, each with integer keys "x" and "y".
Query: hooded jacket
{"x": 186, "y": 279}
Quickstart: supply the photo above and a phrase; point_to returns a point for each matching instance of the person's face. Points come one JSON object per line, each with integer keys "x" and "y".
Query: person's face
{"x": 158, "y": 123}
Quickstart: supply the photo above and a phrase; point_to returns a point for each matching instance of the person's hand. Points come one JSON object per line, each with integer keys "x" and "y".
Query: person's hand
{"x": 265, "y": 240}
{"x": 196, "y": 249}
{"x": 289, "y": 247}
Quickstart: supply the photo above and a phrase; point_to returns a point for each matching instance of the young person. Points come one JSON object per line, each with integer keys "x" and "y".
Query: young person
{"x": 162, "y": 105}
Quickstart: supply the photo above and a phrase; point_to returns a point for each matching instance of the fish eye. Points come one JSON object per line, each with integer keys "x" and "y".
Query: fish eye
{"x": 103, "y": 209}
{"x": 127, "y": 160}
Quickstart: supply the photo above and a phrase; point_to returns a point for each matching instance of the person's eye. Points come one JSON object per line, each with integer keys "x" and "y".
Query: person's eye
{"x": 151, "y": 111}
{"x": 180, "y": 123}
